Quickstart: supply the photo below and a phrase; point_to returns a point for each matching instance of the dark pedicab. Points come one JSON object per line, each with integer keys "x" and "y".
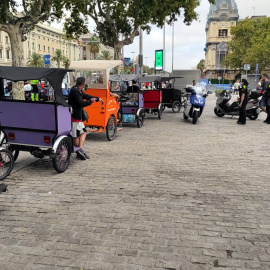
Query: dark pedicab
{"x": 41, "y": 128}
{"x": 131, "y": 103}
{"x": 171, "y": 97}
{"x": 152, "y": 97}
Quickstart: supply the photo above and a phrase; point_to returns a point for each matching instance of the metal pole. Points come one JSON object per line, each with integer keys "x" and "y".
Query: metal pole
{"x": 164, "y": 55}
{"x": 141, "y": 51}
{"x": 172, "y": 45}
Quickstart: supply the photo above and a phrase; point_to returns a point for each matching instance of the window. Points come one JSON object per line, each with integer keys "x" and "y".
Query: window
{"x": 48, "y": 40}
{"x": 48, "y": 49}
{"x": 7, "y": 53}
{"x": 33, "y": 45}
{"x": 38, "y": 37}
{"x": 43, "y": 38}
{"x": 53, "y": 50}
{"x": 1, "y": 55}
{"x": 44, "y": 48}
{"x": 6, "y": 39}
{"x": 33, "y": 35}
{"x": 223, "y": 32}
{"x": 0, "y": 36}
{"x": 39, "y": 47}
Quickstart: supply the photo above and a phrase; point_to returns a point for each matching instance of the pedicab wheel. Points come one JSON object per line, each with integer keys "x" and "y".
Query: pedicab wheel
{"x": 159, "y": 113}
{"x": 10, "y": 148}
{"x": 218, "y": 112}
{"x": 119, "y": 119}
{"x": 111, "y": 129}
{"x": 185, "y": 117}
{"x": 163, "y": 107}
{"x": 176, "y": 106}
{"x": 195, "y": 117}
{"x": 6, "y": 163}
{"x": 62, "y": 156}
{"x": 140, "y": 120}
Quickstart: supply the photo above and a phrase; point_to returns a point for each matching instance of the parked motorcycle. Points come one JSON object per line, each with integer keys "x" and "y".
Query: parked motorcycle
{"x": 195, "y": 104}
{"x": 223, "y": 107}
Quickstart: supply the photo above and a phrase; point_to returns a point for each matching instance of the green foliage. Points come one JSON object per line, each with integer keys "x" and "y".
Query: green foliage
{"x": 105, "y": 55}
{"x": 66, "y": 62}
{"x": 36, "y": 60}
{"x": 58, "y": 57}
{"x": 94, "y": 44}
{"x": 200, "y": 66}
{"x": 250, "y": 44}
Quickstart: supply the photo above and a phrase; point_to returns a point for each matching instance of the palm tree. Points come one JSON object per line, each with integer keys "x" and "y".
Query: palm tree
{"x": 105, "y": 55}
{"x": 66, "y": 62}
{"x": 94, "y": 45}
{"x": 36, "y": 60}
{"x": 58, "y": 57}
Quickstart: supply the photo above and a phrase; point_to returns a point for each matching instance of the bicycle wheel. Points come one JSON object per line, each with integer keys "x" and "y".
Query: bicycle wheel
{"x": 6, "y": 163}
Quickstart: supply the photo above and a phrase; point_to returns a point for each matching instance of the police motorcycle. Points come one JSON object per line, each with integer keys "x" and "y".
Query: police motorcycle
{"x": 223, "y": 107}
{"x": 196, "y": 102}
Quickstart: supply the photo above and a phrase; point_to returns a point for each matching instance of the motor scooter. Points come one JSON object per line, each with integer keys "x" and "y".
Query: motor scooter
{"x": 195, "y": 104}
{"x": 223, "y": 107}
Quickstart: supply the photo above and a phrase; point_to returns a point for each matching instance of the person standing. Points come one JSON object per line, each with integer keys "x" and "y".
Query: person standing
{"x": 78, "y": 100}
{"x": 243, "y": 95}
{"x": 203, "y": 85}
{"x": 263, "y": 84}
{"x": 236, "y": 86}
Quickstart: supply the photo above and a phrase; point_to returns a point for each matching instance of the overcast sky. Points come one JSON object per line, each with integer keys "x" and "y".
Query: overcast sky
{"x": 189, "y": 41}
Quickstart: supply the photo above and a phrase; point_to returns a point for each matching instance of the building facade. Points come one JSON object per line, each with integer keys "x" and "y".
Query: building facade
{"x": 222, "y": 16}
{"x": 44, "y": 40}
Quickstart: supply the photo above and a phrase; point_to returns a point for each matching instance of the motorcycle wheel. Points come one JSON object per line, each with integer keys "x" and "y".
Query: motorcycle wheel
{"x": 185, "y": 117}
{"x": 253, "y": 116}
{"x": 195, "y": 117}
{"x": 218, "y": 112}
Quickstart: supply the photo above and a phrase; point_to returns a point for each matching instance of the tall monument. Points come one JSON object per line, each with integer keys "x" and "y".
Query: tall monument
{"x": 221, "y": 17}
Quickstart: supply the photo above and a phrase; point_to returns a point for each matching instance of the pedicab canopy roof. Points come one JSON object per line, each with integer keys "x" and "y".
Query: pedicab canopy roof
{"x": 165, "y": 79}
{"x": 150, "y": 78}
{"x": 53, "y": 75}
{"x": 96, "y": 72}
{"x": 124, "y": 77}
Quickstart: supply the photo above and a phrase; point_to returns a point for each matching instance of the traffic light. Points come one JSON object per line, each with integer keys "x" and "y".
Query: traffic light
{"x": 121, "y": 68}
{"x": 79, "y": 42}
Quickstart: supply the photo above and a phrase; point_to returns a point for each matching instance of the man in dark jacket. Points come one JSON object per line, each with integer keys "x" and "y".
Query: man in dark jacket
{"x": 77, "y": 100}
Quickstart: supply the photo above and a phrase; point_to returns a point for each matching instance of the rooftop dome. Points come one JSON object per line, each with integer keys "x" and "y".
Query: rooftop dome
{"x": 222, "y": 10}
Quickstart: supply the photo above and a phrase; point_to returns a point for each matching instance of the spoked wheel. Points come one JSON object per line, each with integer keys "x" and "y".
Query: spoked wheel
{"x": 218, "y": 112}
{"x": 111, "y": 129}
{"x": 6, "y": 163}
{"x": 163, "y": 107}
{"x": 62, "y": 156}
{"x": 159, "y": 113}
{"x": 195, "y": 117}
{"x": 176, "y": 106}
{"x": 140, "y": 120}
{"x": 119, "y": 119}
{"x": 9, "y": 147}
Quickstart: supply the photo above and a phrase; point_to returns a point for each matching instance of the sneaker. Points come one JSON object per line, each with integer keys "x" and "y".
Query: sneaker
{"x": 81, "y": 155}
{"x": 85, "y": 155}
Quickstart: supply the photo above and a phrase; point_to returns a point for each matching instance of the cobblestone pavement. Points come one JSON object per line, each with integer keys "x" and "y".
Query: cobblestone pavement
{"x": 170, "y": 195}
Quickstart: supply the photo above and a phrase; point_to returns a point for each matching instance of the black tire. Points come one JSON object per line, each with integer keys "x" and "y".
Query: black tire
{"x": 62, "y": 156}
{"x": 111, "y": 129}
{"x": 253, "y": 116}
{"x": 10, "y": 148}
{"x": 195, "y": 117}
{"x": 140, "y": 120}
{"x": 159, "y": 114}
{"x": 6, "y": 163}
{"x": 163, "y": 107}
{"x": 176, "y": 106}
{"x": 218, "y": 112}
{"x": 119, "y": 119}
{"x": 185, "y": 117}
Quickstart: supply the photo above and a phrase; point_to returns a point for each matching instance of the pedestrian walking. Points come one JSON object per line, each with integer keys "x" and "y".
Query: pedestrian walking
{"x": 243, "y": 95}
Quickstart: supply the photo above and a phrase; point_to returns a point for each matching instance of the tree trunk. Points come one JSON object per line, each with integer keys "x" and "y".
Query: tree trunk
{"x": 117, "y": 56}
{"x": 15, "y": 37}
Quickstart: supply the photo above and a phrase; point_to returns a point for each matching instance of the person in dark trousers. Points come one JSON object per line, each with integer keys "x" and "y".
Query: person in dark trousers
{"x": 77, "y": 100}
{"x": 266, "y": 95}
{"x": 243, "y": 94}
{"x": 264, "y": 85}
{"x": 133, "y": 88}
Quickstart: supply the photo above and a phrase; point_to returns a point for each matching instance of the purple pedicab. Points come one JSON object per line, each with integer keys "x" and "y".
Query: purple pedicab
{"x": 39, "y": 127}
{"x": 131, "y": 102}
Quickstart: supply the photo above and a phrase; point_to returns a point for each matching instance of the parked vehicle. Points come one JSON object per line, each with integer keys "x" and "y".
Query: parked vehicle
{"x": 171, "y": 97}
{"x": 103, "y": 118}
{"x": 153, "y": 96}
{"x": 223, "y": 107}
{"x": 41, "y": 128}
{"x": 131, "y": 103}
{"x": 195, "y": 104}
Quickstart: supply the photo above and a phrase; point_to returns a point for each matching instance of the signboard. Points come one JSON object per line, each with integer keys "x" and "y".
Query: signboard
{"x": 246, "y": 66}
{"x": 127, "y": 62}
{"x": 47, "y": 58}
{"x": 159, "y": 60}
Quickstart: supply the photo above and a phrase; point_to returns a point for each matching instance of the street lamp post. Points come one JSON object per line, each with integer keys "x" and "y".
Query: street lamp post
{"x": 146, "y": 60}
{"x": 133, "y": 55}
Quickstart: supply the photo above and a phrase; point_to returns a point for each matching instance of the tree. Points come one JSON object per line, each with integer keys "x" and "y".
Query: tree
{"x": 36, "y": 60}
{"x": 58, "y": 57}
{"x": 105, "y": 55}
{"x": 250, "y": 44}
{"x": 200, "y": 66}
{"x": 121, "y": 19}
{"x": 19, "y": 19}
{"x": 66, "y": 62}
{"x": 94, "y": 44}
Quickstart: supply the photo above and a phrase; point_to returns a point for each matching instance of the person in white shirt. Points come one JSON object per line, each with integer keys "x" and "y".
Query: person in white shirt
{"x": 203, "y": 85}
